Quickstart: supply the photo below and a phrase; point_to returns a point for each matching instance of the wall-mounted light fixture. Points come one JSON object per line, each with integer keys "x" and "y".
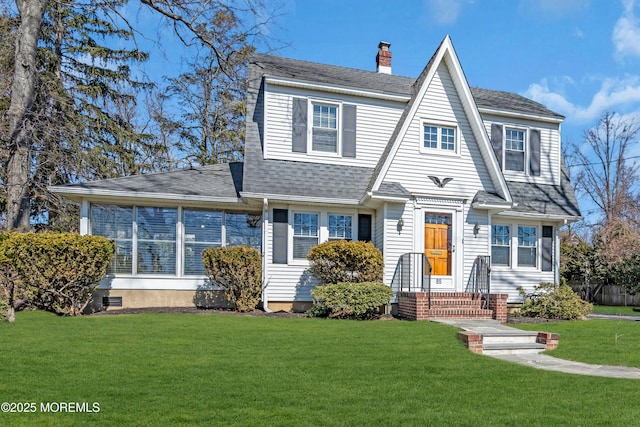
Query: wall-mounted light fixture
{"x": 400, "y": 224}
{"x": 476, "y": 229}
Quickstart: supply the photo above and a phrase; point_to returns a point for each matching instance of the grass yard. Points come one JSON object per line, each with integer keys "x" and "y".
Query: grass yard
{"x": 616, "y": 309}
{"x": 181, "y": 369}
{"x": 603, "y": 342}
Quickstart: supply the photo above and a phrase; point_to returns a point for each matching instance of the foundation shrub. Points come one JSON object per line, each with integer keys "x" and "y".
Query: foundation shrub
{"x": 553, "y": 301}
{"x": 57, "y": 271}
{"x": 350, "y": 300}
{"x": 237, "y": 270}
{"x": 339, "y": 261}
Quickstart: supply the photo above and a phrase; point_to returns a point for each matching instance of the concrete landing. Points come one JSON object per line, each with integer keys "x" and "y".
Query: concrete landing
{"x": 537, "y": 360}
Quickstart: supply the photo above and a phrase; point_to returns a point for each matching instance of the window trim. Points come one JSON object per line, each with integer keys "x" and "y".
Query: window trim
{"x": 514, "y": 225}
{"x": 536, "y": 246}
{"x": 353, "y": 223}
{"x": 526, "y": 146}
{"x": 509, "y": 263}
{"x": 292, "y": 213}
{"x": 440, "y": 125}
{"x": 525, "y": 149}
{"x": 330, "y": 103}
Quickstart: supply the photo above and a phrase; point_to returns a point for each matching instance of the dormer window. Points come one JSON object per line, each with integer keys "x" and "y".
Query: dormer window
{"x": 514, "y": 149}
{"x": 517, "y": 149}
{"x": 322, "y": 127}
{"x": 324, "y": 133}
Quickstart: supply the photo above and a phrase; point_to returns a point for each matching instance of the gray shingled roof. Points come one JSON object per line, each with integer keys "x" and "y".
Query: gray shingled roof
{"x": 215, "y": 181}
{"x": 303, "y": 179}
{"x": 510, "y": 101}
{"x": 276, "y": 66}
{"x": 545, "y": 199}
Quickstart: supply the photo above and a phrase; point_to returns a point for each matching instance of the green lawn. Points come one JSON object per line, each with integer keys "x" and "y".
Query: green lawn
{"x": 615, "y": 309}
{"x": 604, "y": 342}
{"x": 181, "y": 369}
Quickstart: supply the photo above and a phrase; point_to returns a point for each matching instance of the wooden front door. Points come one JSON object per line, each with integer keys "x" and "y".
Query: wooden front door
{"x": 437, "y": 242}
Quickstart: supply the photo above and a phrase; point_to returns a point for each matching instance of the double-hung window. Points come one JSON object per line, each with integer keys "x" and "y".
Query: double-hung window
{"x": 514, "y": 146}
{"x": 527, "y": 246}
{"x": 500, "y": 245}
{"x": 324, "y": 133}
{"x": 305, "y": 233}
{"x": 439, "y": 138}
{"x": 340, "y": 227}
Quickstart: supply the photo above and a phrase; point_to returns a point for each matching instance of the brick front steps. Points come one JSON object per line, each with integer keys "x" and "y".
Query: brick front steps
{"x": 451, "y": 305}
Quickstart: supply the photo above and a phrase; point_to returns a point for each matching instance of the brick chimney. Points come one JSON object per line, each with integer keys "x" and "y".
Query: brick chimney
{"x": 383, "y": 59}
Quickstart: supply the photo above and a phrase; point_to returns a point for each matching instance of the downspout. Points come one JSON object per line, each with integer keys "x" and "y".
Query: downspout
{"x": 265, "y": 228}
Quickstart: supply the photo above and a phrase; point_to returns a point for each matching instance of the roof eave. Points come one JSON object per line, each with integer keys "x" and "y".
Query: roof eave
{"x": 300, "y": 199}
{"x": 77, "y": 194}
{"x": 521, "y": 115}
{"x": 343, "y": 90}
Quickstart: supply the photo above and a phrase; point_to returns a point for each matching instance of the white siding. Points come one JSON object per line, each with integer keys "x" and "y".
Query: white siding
{"x": 475, "y": 245}
{"x": 411, "y": 166}
{"x": 396, "y": 241}
{"x": 375, "y": 122}
{"x": 293, "y": 281}
{"x": 549, "y": 148}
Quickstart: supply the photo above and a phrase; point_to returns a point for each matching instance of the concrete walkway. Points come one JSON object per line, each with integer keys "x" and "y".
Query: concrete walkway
{"x": 543, "y": 361}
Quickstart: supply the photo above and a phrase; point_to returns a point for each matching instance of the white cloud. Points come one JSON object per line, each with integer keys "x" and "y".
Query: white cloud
{"x": 626, "y": 32}
{"x": 445, "y": 12}
{"x": 614, "y": 94}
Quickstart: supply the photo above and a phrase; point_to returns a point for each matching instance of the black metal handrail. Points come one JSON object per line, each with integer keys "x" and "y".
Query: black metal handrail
{"x": 480, "y": 277}
{"x": 413, "y": 274}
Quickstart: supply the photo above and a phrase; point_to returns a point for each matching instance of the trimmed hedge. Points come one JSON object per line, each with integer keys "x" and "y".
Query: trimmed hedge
{"x": 238, "y": 270}
{"x": 552, "y": 301}
{"x": 58, "y": 271}
{"x": 350, "y": 300}
{"x": 345, "y": 261}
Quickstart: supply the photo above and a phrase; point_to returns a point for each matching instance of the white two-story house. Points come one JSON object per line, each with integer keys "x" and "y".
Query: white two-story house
{"x": 425, "y": 167}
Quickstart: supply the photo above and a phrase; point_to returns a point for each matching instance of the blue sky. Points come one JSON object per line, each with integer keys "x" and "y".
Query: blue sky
{"x": 578, "y": 57}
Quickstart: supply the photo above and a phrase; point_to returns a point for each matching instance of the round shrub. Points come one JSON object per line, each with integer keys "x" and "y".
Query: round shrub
{"x": 552, "y": 301}
{"x": 344, "y": 261}
{"x": 59, "y": 271}
{"x": 238, "y": 270}
{"x": 350, "y": 300}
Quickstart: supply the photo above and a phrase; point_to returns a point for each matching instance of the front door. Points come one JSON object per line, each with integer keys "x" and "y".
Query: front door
{"x": 437, "y": 242}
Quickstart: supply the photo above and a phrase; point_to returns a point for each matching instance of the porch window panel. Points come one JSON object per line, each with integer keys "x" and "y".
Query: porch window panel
{"x": 156, "y": 240}
{"x": 202, "y": 230}
{"x": 243, "y": 229}
{"x": 115, "y": 223}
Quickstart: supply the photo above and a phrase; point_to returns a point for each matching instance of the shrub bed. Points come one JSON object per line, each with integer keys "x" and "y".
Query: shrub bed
{"x": 339, "y": 261}
{"x": 552, "y": 301}
{"x": 350, "y": 300}
{"x": 238, "y": 270}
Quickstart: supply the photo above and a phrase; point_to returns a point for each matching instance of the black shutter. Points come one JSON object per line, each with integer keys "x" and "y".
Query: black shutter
{"x": 534, "y": 145}
{"x": 280, "y": 240}
{"x": 547, "y": 248}
{"x": 496, "y": 142}
{"x": 299, "y": 125}
{"x": 364, "y": 227}
{"x": 349, "y": 131}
